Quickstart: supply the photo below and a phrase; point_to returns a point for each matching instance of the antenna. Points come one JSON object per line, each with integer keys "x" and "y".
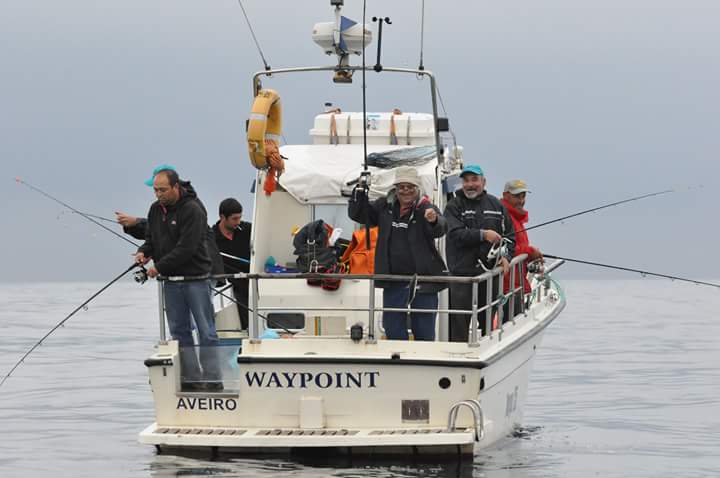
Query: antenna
{"x": 378, "y": 67}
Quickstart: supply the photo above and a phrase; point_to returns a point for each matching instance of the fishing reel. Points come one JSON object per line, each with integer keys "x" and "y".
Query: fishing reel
{"x": 140, "y": 275}
{"x": 498, "y": 250}
{"x": 536, "y": 267}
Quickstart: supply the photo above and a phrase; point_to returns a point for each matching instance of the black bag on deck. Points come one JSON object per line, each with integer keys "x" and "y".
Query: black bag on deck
{"x": 312, "y": 249}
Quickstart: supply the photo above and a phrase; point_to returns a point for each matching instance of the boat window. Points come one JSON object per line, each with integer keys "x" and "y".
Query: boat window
{"x": 335, "y": 215}
{"x": 288, "y": 320}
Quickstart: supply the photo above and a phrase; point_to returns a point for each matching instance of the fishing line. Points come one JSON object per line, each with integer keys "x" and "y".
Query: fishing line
{"x": 627, "y": 269}
{"x": 60, "y": 324}
{"x": 270, "y": 322}
{"x": 86, "y": 216}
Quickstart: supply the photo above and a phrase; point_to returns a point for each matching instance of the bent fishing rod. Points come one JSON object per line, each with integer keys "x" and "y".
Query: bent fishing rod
{"x": 62, "y": 322}
{"x": 89, "y": 217}
{"x": 627, "y": 269}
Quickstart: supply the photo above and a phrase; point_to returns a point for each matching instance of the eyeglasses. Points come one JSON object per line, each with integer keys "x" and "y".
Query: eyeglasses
{"x": 405, "y": 187}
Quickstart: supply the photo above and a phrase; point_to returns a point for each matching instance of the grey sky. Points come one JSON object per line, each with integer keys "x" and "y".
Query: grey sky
{"x": 589, "y": 101}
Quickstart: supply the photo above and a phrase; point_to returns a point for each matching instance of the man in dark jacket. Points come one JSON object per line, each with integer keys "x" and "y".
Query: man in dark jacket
{"x": 176, "y": 241}
{"x": 408, "y": 225}
{"x": 476, "y": 222}
{"x": 232, "y": 236}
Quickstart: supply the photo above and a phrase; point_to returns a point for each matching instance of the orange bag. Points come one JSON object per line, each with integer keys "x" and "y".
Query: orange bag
{"x": 357, "y": 258}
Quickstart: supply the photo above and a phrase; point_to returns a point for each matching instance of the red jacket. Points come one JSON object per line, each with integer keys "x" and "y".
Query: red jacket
{"x": 522, "y": 245}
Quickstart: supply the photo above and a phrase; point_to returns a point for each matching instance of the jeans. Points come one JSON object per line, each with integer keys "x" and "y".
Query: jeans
{"x": 181, "y": 300}
{"x": 421, "y": 323}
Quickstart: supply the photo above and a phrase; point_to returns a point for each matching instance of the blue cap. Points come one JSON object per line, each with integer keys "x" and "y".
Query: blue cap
{"x": 472, "y": 169}
{"x": 162, "y": 167}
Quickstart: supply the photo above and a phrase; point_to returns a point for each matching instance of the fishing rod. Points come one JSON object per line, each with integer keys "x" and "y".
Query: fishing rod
{"x": 365, "y": 175}
{"x": 86, "y": 216}
{"x": 229, "y": 256}
{"x": 97, "y": 217}
{"x": 637, "y": 198}
{"x": 102, "y": 218}
{"x": 62, "y": 322}
{"x": 627, "y": 269}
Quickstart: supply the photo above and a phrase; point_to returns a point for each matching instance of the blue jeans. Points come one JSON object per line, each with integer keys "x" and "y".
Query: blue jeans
{"x": 421, "y": 323}
{"x": 181, "y": 300}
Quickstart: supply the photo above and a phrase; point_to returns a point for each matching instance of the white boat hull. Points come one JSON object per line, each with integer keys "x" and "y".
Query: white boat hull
{"x": 318, "y": 392}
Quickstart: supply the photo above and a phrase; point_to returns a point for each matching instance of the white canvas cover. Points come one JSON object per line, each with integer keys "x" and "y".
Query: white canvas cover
{"x": 318, "y": 174}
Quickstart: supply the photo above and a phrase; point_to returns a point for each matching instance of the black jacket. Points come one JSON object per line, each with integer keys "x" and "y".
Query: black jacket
{"x": 177, "y": 236}
{"x": 421, "y": 235}
{"x": 239, "y": 246}
{"x": 140, "y": 228}
{"x": 466, "y": 217}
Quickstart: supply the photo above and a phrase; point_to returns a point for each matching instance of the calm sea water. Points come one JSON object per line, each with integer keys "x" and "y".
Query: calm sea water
{"x": 626, "y": 384}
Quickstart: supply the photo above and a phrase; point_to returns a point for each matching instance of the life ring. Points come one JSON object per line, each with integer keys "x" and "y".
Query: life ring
{"x": 265, "y": 123}
{"x": 263, "y": 132}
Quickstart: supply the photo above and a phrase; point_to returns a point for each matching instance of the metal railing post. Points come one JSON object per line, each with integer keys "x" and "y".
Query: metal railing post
{"x": 474, "y": 316}
{"x": 161, "y": 310}
{"x": 371, "y": 316}
{"x": 488, "y": 302}
{"x": 511, "y": 309}
{"x": 255, "y": 322}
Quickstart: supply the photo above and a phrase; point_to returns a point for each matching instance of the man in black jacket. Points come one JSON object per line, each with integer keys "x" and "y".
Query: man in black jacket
{"x": 476, "y": 222}
{"x": 408, "y": 225}
{"x": 232, "y": 236}
{"x": 176, "y": 241}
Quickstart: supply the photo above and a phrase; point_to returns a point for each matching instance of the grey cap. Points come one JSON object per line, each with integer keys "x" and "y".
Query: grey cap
{"x": 516, "y": 186}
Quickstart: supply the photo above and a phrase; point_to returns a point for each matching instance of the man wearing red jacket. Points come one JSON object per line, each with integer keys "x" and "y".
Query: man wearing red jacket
{"x": 514, "y": 201}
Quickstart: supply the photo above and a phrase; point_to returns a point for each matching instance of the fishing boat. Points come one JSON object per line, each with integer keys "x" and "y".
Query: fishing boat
{"x": 314, "y": 369}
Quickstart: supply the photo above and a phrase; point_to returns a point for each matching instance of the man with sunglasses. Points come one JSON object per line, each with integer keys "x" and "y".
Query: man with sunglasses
{"x": 408, "y": 224}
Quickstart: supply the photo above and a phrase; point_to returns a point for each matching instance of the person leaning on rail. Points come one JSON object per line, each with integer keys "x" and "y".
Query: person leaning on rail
{"x": 176, "y": 241}
{"x": 408, "y": 224}
{"x": 476, "y": 221}
{"x": 513, "y": 199}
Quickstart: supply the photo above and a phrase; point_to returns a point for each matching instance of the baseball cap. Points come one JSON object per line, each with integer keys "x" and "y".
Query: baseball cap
{"x": 162, "y": 167}
{"x": 472, "y": 169}
{"x": 516, "y": 186}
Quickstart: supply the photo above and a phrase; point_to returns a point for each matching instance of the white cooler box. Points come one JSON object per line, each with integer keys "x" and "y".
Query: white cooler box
{"x": 410, "y": 128}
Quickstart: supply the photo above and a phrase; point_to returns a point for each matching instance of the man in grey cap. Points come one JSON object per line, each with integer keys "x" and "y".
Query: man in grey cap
{"x": 513, "y": 199}
{"x": 476, "y": 222}
{"x": 408, "y": 224}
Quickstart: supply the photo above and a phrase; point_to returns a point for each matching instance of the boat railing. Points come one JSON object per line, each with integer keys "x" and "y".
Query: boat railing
{"x": 492, "y": 304}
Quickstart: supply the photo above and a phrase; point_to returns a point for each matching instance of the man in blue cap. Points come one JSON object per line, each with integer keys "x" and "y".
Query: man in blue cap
{"x": 476, "y": 222}
{"x": 137, "y": 226}
{"x": 176, "y": 239}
